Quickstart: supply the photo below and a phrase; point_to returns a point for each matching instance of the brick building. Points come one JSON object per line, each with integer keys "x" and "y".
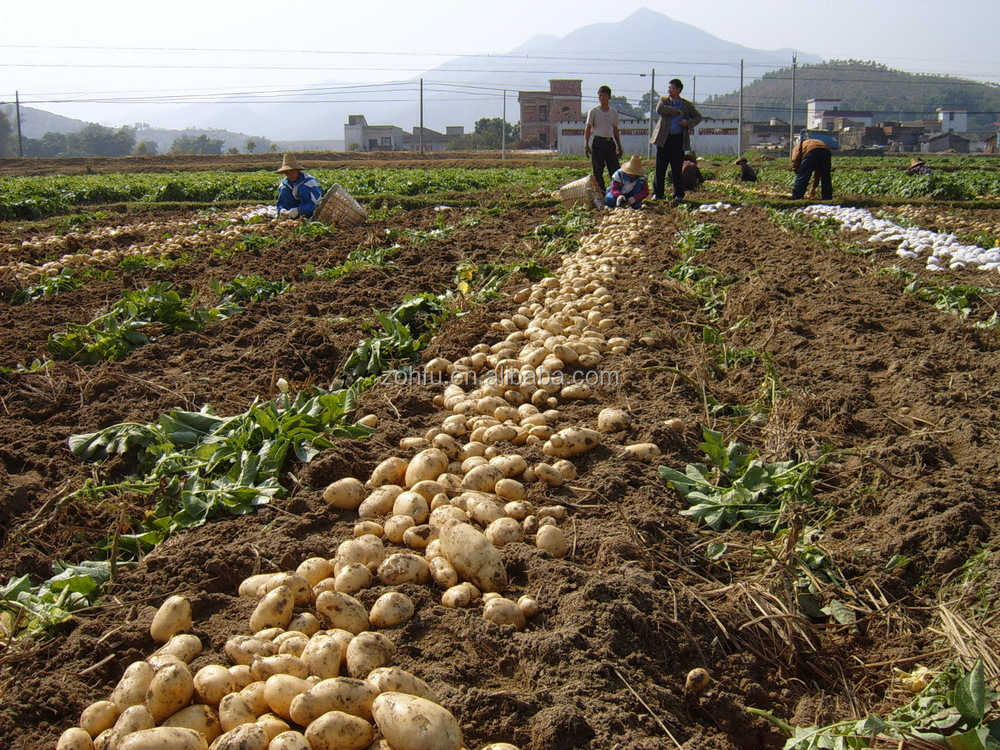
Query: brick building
{"x": 541, "y": 111}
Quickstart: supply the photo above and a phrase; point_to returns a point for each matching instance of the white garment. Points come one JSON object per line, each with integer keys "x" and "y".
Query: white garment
{"x": 602, "y": 122}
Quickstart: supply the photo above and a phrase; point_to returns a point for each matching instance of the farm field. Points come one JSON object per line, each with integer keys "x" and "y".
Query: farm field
{"x": 817, "y": 525}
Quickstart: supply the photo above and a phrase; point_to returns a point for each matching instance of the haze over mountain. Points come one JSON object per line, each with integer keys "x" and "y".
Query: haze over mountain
{"x": 462, "y": 90}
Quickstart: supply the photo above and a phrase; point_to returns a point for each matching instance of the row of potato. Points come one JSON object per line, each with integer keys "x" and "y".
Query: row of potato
{"x": 101, "y": 246}
{"x": 315, "y": 672}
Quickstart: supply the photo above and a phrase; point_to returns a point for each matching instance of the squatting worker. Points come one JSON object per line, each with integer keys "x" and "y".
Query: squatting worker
{"x": 298, "y": 192}
{"x": 629, "y": 187}
{"x": 917, "y": 166}
{"x": 747, "y": 173}
{"x": 672, "y": 137}
{"x": 810, "y": 156}
{"x": 606, "y": 149}
{"x": 691, "y": 176}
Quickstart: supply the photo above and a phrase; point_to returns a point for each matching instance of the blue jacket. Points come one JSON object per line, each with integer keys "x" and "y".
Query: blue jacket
{"x": 302, "y": 194}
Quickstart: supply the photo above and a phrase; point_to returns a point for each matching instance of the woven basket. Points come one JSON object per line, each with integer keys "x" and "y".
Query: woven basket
{"x": 337, "y": 207}
{"x": 584, "y": 191}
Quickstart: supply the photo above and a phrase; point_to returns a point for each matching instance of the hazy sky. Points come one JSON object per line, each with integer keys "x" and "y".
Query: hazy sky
{"x": 56, "y": 51}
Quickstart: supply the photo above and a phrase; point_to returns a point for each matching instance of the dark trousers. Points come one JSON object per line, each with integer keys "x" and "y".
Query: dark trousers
{"x": 819, "y": 161}
{"x": 603, "y": 155}
{"x": 670, "y": 154}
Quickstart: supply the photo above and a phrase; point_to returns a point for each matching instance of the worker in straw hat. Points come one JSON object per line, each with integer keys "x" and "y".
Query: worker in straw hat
{"x": 629, "y": 187}
{"x": 298, "y": 192}
{"x": 747, "y": 173}
{"x": 917, "y": 166}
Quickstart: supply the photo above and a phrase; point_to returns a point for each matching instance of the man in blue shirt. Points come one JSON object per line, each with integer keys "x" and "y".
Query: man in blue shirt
{"x": 672, "y": 138}
{"x": 299, "y": 192}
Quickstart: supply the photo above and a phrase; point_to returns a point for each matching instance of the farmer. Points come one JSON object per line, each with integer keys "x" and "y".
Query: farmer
{"x": 810, "y": 156}
{"x": 690, "y": 174}
{"x": 917, "y": 166}
{"x": 606, "y": 148}
{"x": 747, "y": 173}
{"x": 672, "y": 137}
{"x": 629, "y": 187}
{"x": 298, "y": 192}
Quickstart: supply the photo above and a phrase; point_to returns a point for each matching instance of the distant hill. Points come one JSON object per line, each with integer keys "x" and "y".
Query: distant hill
{"x": 37, "y": 122}
{"x": 889, "y": 94}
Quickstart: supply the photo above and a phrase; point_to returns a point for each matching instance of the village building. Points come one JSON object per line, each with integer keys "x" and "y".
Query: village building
{"x": 360, "y": 136}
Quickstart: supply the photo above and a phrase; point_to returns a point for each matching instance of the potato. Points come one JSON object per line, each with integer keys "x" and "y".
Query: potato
{"x": 337, "y": 730}
{"x": 173, "y": 617}
{"x": 409, "y": 722}
{"x": 199, "y": 717}
{"x": 133, "y": 719}
{"x": 254, "y": 696}
{"x": 483, "y": 478}
{"x": 272, "y": 725}
{"x": 548, "y": 474}
{"x": 504, "y": 612}
{"x": 441, "y": 514}
{"x": 314, "y": 569}
{"x": 396, "y": 527}
{"x": 171, "y": 688}
{"x": 443, "y": 572}
{"x": 499, "y": 746}
{"x": 212, "y": 683}
{"x": 557, "y": 512}
{"x": 427, "y": 464}
{"x": 274, "y": 610}
{"x": 404, "y": 567}
{"x": 432, "y": 550}
{"x": 243, "y": 737}
{"x": 473, "y": 556}
{"x": 571, "y": 441}
{"x": 647, "y": 452}
{"x": 75, "y": 738}
{"x": 367, "y": 549}
{"x": 235, "y": 710}
{"x": 243, "y": 649}
{"x": 337, "y": 694}
{"x": 305, "y": 623}
{"x": 240, "y": 675}
{"x": 290, "y": 740}
{"x": 517, "y": 509}
{"x": 107, "y": 740}
{"x": 183, "y": 646}
{"x": 131, "y": 688}
{"x": 418, "y": 537}
{"x": 510, "y": 489}
{"x": 353, "y": 578}
{"x": 379, "y": 501}
{"x": 390, "y": 471}
{"x": 339, "y": 610}
{"x": 612, "y": 420}
{"x": 456, "y": 597}
{"x": 264, "y": 666}
{"x": 504, "y": 531}
{"x": 552, "y": 539}
{"x": 368, "y": 651}
{"x": 565, "y": 468}
{"x": 398, "y": 680}
{"x": 323, "y": 656}
{"x": 99, "y": 716}
{"x": 390, "y": 609}
{"x": 368, "y": 527}
{"x": 259, "y": 586}
{"x": 528, "y": 605}
{"x": 346, "y": 494}
{"x": 412, "y": 504}
{"x": 162, "y": 738}
{"x": 280, "y": 690}
{"x": 291, "y": 642}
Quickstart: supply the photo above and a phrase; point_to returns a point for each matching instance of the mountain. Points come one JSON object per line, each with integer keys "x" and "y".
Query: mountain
{"x": 463, "y": 90}
{"x": 37, "y": 122}
{"x": 889, "y": 94}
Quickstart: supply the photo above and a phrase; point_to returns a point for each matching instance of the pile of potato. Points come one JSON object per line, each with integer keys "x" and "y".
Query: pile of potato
{"x": 314, "y": 672}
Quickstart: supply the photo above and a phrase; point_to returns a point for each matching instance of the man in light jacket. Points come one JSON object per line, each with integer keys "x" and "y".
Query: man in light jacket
{"x": 672, "y": 137}
{"x": 812, "y": 155}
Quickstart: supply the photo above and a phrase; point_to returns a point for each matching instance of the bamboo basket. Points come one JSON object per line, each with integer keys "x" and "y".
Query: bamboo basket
{"x": 338, "y": 207}
{"x": 584, "y": 191}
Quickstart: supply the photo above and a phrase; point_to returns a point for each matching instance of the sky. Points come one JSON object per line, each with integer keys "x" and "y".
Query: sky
{"x": 95, "y": 60}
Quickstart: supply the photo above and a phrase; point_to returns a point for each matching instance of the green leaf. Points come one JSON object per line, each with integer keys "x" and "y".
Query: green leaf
{"x": 970, "y": 695}
{"x": 974, "y": 739}
{"x": 840, "y": 612}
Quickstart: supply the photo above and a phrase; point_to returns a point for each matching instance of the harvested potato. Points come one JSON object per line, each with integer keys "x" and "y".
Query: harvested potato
{"x": 647, "y": 452}
{"x": 409, "y": 722}
{"x": 390, "y": 609}
{"x": 483, "y": 509}
{"x": 337, "y": 730}
{"x": 367, "y": 549}
{"x": 75, "y": 738}
{"x": 274, "y": 610}
{"x": 159, "y": 738}
{"x": 390, "y": 471}
{"x": 173, "y": 617}
{"x": 280, "y": 690}
{"x": 404, "y": 567}
{"x": 322, "y": 656}
{"x": 171, "y": 688}
{"x": 510, "y": 490}
{"x": 697, "y": 680}
{"x": 199, "y": 717}
{"x": 98, "y": 716}
{"x": 353, "y": 578}
{"x": 131, "y": 688}
{"x": 337, "y": 694}
{"x": 379, "y": 501}
{"x": 290, "y": 740}
{"x": 184, "y": 647}
{"x": 368, "y": 651}
{"x": 548, "y": 474}
{"x": 235, "y": 710}
{"x": 212, "y": 683}
{"x": 346, "y": 494}
{"x": 571, "y": 441}
{"x": 240, "y": 674}
{"x": 243, "y": 649}
{"x": 368, "y": 527}
{"x": 339, "y": 610}
{"x": 397, "y": 526}
{"x": 504, "y": 531}
{"x": 254, "y": 696}
{"x": 483, "y": 478}
{"x": 132, "y": 719}
{"x": 398, "y": 680}
{"x": 426, "y": 465}
{"x": 412, "y": 504}
{"x": 504, "y": 612}
{"x": 305, "y": 623}
{"x": 273, "y": 725}
{"x": 552, "y": 539}
{"x": 528, "y": 605}
{"x": 473, "y": 556}
{"x": 613, "y": 420}
{"x": 443, "y": 572}
{"x": 314, "y": 569}
{"x": 243, "y": 737}
{"x": 264, "y": 666}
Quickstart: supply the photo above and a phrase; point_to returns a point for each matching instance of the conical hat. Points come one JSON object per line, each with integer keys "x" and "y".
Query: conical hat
{"x": 634, "y": 167}
{"x": 289, "y": 163}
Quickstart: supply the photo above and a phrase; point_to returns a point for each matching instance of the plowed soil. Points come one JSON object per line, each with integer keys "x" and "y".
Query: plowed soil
{"x": 897, "y": 400}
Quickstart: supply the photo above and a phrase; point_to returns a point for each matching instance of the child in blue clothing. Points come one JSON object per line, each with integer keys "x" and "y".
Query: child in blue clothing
{"x": 299, "y": 192}
{"x": 629, "y": 187}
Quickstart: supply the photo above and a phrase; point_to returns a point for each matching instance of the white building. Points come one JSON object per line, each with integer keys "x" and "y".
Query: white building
{"x": 827, "y": 114}
{"x": 953, "y": 120}
{"x": 710, "y": 136}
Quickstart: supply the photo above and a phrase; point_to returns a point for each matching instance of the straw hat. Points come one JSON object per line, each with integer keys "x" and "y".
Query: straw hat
{"x": 915, "y": 162}
{"x": 289, "y": 163}
{"x": 741, "y": 160}
{"x": 634, "y": 167}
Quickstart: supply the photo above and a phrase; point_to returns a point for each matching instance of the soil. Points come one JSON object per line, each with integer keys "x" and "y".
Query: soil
{"x": 895, "y": 400}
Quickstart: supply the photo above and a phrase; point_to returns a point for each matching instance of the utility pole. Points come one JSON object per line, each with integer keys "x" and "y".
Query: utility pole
{"x": 652, "y": 111}
{"x": 421, "y": 138}
{"x": 17, "y": 115}
{"x": 503, "y": 128}
{"x": 739, "y": 124}
{"x": 791, "y": 115}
